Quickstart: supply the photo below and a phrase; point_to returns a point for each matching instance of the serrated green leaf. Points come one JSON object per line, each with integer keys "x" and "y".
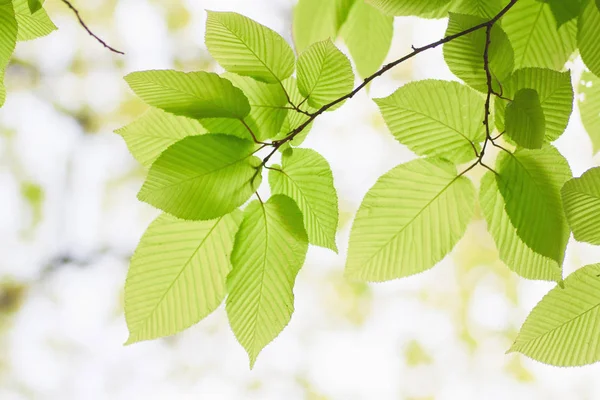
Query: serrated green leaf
{"x": 562, "y": 329}
{"x": 581, "y": 201}
{"x": 589, "y": 106}
{"x": 588, "y": 37}
{"x": 295, "y": 119}
{"x": 555, "y": 92}
{"x": 464, "y": 55}
{"x": 247, "y": 48}
{"x": 269, "y": 250}
{"x": 324, "y": 74}
{"x": 564, "y": 11}
{"x": 525, "y": 120}
{"x": 32, "y": 25}
{"x": 530, "y": 182}
{"x": 417, "y": 8}
{"x": 481, "y": 8}
{"x": 202, "y": 177}
{"x": 404, "y": 225}
{"x": 368, "y": 34}
{"x": 535, "y": 37}
{"x": 8, "y": 40}
{"x": 436, "y": 118}
{"x": 306, "y": 177}
{"x": 156, "y": 130}
{"x": 194, "y": 94}
{"x": 513, "y": 251}
{"x": 178, "y": 274}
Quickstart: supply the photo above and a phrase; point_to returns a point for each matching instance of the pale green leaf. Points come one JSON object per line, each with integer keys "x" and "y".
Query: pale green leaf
{"x": 555, "y": 92}
{"x": 245, "y": 47}
{"x": 530, "y": 182}
{"x": 178, "y": 274}
{"x": 581, "y": 200}
{"x": 513, "y": 251}
{"x": 156, "y": 130}
{"x": 324, "y": 74}
{"x": 32, "y": 25}
{"x": 464, "y": 55}
{"x": 417, "y": 8}
{"x": 409, "y": 221}
{"x": 368, "y": 34}
{"x": 269, "y": 250}
{"x": 8, "y": 40}
{"x": 588, "y": 37}
{"x": 295, "y": 119}
{"x": 481, "y": 8}
{"x": 589, "y": 106}
{"x": 536, "y": 39}
{"x": 306, "y": 177}
{"x": 525, "y": 120}
{"x": 202, "y": 177}
{"x": 437, "y": 118}
{"x": 194, "y": 94}
{"x": 563, "y": 329}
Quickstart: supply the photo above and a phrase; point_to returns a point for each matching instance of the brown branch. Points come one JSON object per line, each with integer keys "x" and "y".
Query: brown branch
{"x": 92, "y": 34}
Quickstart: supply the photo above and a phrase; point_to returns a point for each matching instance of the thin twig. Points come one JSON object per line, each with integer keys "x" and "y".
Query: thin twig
{"x": 252, "y": 133}
{"x": 82, "y": 23}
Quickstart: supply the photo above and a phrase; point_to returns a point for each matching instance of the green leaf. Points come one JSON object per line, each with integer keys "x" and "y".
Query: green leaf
{"x": 555, "y": 92}
{"x": 530, "y": 182}
{"x": 269, "y": 250}
{"x": 417, "y": 8}
{"x": 368, "y": 34}
{"x": 564, "y": 11}
{"x": 436, "y": 118}
{"x": 245, "y": 47}
{"x": 481, "y": 8}
{"x": 8, "y": 40}
{"x": 32, "y": 25}
{"x": 178, "y": 274}
{"x": 202, "y": 177}
{"x": 525, "y": 120}
{"x": 513, "y": 251}
{"x": 295, "y": 119}
{"x": 589, "y": 106}
{"x": 535, "y": 37}
{"x": 34, "y": 5}
{"x": 194, "y": 94}
{"x": 155, "y": 131}
{"x": 306, "y": 177}
{"x": 562, "y": 329}
{"x": 588, "y": 37}
{"x": 464, "y": 55}
{"x": 324, "y": 74}
{"x": 581, "y": 200}
{"x": 404, "y": 225}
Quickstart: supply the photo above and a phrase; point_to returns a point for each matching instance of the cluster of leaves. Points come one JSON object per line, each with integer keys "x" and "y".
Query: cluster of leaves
{"x": 20, "y": 20}
{"x": 203, "y": 133}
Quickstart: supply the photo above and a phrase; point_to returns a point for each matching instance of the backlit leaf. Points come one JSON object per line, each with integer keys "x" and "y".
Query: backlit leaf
{"x": 295, "y": 119}
{"x": 588, "y": 37}
{"x": 32, "y": 24}
{"x": 581, "y": 200}
{"x": 408, "y": 7}
{"x": 8, "y": 40}
{"x": 589, "y": 106}
{"x": 525, "y": 120}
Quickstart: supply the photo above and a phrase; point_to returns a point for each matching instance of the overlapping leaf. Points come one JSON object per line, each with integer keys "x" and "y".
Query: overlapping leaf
{"x": 34, "y": 5}
{"x": 417, "y": 8}
{"x": 564, "y": 11}
{"x": 202, "y": 177}
{"x": 481, "y": 8}
{"x": 589, "y": 104}
{"x": 410, "y": 220}
{"x": 318, "y": 20}
{"x": 563, "y": 328}
{"x": 437, "y": 118}
{"x": 245, "y": 47}
{"x": 294, "y": 118}
{"x": 525, "y": 120}
{"x": 588, "y": 36}
{"x": 8, "y": 40}
{"x": 269, "y": 250}
{"x": 32, "y": 24}
{"x": 306, "y": 177}
{"x": 178, "y": 274}
{"x": 581, "y": 200}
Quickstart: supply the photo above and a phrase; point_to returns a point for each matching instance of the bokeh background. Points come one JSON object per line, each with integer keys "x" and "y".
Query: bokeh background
{"x": 69, "y": 221}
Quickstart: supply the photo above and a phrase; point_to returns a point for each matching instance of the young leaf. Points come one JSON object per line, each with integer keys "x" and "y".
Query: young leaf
{"x": 202, "y": 177}
{"x": 513, "y": 251}
{"x": 8, "y": 40}
{"x": 589, "y": 104}
{"x": 269, "y": 250}
{"x": 306, "y": 177}
{"x": 554, "y": 90}
{"x": 436, "y": 118}
{"x": 368, "y": 34}
{"x": 535, "y": 37}
{"x": 318, "y": 20}
{"x": 404, "y": 225}
{"x": 564, "y": 11}
{"x": 295, "y": 119}
{"x": 32, "y": 24}
{"x": 464, "y": 55}
{"x": 588, "y": 36}
{"x": 581, "y": 200}
{"x": 245, "y": 47}
{"x": 525, "y": 120}
{"x": 194, "y": 94}
{"x": 530, "y": 183}
{"x": 562, "y": 329}
{"x": 178, "y": 274}
{"x": 417, "y": 8}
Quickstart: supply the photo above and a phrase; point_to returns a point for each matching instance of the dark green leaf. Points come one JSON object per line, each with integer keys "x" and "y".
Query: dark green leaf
{"x": 525, "y": 121}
